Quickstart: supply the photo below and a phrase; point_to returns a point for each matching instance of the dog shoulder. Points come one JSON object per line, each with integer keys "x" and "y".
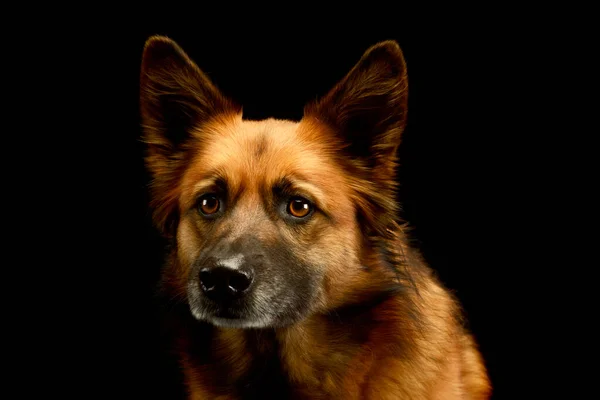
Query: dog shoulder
{"x": 431, "y": 352}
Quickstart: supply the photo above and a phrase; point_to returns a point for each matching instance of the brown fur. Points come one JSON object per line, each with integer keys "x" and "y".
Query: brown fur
{"x": 381, "y": 326}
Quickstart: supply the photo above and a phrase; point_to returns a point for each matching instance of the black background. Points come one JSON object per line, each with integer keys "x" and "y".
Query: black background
{"x": 457, "y": 175}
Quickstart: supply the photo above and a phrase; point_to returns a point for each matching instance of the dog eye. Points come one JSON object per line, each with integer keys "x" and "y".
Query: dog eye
{"x": 208, "y": 204}
{"x": 299, "y": 207}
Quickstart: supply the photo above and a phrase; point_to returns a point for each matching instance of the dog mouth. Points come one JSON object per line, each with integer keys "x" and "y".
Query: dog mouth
{"x": 230, "y": 313}
{"x": 234, "y": 313}
{"x": 246, "y": 312}
{"x": 230, "y": 317}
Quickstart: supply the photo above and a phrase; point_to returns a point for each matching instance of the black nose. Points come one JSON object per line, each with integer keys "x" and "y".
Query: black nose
{"x": 222, "y": 283}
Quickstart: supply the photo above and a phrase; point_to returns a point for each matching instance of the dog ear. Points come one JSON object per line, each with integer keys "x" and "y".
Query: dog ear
{"x": 367, "y": 109}
{"x": 175, "y": 95}
{"x": 176, "y": 98}
{"x": 366, "y": 113}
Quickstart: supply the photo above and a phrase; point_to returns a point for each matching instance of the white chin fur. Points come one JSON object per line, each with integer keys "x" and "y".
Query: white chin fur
{"x": 231, "y": 323}
{"x": 239, "y": 323}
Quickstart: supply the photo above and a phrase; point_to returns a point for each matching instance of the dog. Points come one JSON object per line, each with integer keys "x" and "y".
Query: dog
{"x": 291, "y": 274}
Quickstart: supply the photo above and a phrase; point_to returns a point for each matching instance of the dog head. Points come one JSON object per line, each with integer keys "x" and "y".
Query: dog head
{"x": 272, "y": 220}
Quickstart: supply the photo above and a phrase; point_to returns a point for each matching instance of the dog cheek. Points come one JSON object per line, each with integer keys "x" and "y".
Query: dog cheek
{"x": 341, "y": 266}
{"x": 335, "y": 250}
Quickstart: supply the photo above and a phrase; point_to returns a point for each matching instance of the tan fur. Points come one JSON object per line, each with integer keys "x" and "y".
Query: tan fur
{"x": 407, "y": 346}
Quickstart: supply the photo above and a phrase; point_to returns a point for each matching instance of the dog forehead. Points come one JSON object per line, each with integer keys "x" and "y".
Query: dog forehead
{"x": 247, "y": 142}
{"x": 260, "y": 150}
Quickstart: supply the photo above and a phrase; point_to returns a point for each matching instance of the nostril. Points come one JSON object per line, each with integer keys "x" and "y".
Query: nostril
{"x": 207, "y": 279}
{"x": 223, "y": 284}
{"x": 240, "y": 281}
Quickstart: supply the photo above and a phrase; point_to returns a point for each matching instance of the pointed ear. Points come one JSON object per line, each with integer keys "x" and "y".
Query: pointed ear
{"x": 176, "y": 97}
{"x": 367, "y": 108}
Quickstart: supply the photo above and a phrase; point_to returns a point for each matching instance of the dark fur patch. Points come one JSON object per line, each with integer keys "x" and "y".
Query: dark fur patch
{"x": 261, "y": 146}
{"x": 356, "y": 320}
{"x": 264, "y": 378}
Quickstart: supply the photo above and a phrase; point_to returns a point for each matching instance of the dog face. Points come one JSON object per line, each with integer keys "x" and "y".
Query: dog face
{"x": 259, "y": 222}
{"x": 272, "y": 220}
